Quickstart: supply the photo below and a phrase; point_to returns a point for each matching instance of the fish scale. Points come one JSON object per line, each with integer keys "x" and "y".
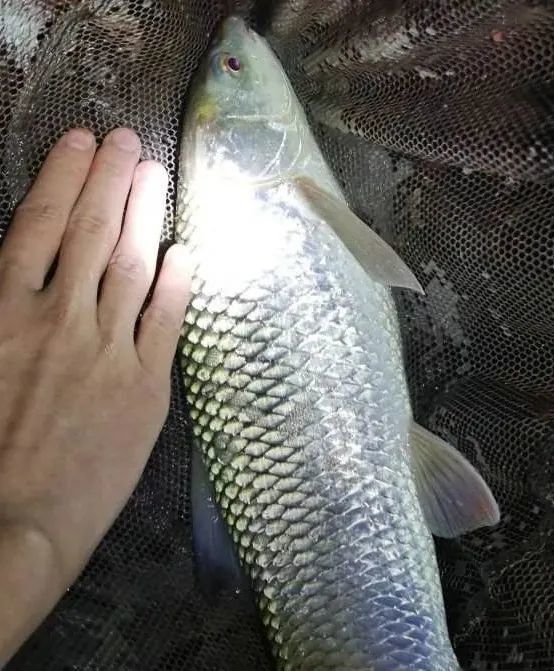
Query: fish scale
{"x": 302, "y": 470}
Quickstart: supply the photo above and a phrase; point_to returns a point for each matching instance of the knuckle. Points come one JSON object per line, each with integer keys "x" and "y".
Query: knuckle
{"x": 128, "y": 267}
{"x": 112, "y": 164}
{"x": 61, "y": 314}
{"x": 88, "y": 222}
{"x": 63, "y": 311}
{"x": 12, "y": 264}
{"x": 62, "y": 163}
{"x": 40, "y": 213}
{"x": 162, "y": 319}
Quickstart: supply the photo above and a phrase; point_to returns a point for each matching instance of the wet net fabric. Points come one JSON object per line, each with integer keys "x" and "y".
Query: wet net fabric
{"x": 438, "y": 119}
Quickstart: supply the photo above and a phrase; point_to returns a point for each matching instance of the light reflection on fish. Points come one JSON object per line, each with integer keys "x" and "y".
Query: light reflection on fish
{"x": 294, "y": 375}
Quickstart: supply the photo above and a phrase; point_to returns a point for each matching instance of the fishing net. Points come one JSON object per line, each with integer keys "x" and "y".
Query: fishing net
{"x": 437, "y": 118}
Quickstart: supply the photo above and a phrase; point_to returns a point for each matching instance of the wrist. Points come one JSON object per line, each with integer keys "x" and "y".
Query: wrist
{"x": 30, "y": 583}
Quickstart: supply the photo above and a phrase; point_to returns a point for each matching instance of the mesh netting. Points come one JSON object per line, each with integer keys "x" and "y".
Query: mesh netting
{"x": 437, "y": 118}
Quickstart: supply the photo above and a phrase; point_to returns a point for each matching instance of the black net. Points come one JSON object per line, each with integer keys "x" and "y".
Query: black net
{"x": 437, "y": 118}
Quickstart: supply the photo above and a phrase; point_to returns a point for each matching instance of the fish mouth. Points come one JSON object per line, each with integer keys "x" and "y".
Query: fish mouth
{"x": 232, "y": 27}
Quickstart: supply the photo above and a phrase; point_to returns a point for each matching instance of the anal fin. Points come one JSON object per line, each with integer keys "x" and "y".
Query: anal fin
{"x": 454, "y": 497}
{"x": 217, "y": 565}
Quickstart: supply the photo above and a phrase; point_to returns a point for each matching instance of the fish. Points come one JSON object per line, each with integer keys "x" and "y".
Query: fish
{"x": 292, "y": 363}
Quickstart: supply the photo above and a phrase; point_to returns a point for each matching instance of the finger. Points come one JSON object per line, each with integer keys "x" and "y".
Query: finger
{"x": 161, "y": 324}
{"x": 132, "y": 266}
{"x": 39, "y": 222}
{"x": 95, "y": 223}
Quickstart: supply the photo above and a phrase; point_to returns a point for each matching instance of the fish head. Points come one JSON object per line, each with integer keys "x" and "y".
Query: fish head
{"x": 244, "y": 137}
{"x": 243, "y": 77}
{"x": 241, "y": 118}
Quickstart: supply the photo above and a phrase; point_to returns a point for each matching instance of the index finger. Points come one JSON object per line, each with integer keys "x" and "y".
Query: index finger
{"x": 39, "y": 222}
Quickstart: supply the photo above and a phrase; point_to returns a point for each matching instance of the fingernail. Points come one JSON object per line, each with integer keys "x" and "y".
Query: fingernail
{"x": 79, "y": 138}
{"x": 124, "y": 139}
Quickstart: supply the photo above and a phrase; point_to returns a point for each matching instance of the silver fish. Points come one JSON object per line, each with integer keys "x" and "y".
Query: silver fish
{"x": 293, "y": 367}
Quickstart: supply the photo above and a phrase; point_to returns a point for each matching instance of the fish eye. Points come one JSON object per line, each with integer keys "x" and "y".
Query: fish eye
{"x": 232, "y": 63}
{"x": 228, "y": 63}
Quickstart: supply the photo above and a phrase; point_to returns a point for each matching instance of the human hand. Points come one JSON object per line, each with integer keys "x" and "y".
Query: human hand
{"x": 83, "y": 397}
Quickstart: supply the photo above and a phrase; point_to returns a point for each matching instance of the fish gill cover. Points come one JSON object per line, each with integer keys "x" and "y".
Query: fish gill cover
{"x": 437, "y": 119}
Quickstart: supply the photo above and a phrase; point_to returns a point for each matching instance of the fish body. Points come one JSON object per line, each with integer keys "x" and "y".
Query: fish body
{"x": 293, "y": 367}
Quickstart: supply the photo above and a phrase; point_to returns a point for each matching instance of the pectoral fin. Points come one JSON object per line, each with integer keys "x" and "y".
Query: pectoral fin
{"x": 376, "y": 257}
{"x": 217, "y": 565}
{"x": 454, "y": 497}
